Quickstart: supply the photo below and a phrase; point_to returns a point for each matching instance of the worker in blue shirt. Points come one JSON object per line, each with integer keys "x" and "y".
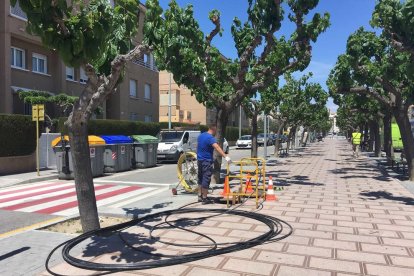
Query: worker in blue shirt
{"x": 205, "y": 148}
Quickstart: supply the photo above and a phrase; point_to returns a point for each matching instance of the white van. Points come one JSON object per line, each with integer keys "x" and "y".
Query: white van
{"x": 174, "y": 142}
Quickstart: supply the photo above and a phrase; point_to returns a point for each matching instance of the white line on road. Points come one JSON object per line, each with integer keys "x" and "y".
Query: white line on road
{"x": 107, "y": 201}
{"x": 135, "y": 183}
{"x": 132, "y": 200}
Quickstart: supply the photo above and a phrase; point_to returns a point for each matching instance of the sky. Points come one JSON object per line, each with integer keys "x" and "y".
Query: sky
{"x": 346, "y": 17}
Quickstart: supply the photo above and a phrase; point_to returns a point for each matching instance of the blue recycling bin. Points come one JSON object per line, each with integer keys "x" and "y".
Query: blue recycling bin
{"x": 118, "y": 153}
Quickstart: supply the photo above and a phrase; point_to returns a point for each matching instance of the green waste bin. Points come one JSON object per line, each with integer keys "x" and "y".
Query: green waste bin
{"x": 145, "y": 151}
{"x": 64, "y": 162}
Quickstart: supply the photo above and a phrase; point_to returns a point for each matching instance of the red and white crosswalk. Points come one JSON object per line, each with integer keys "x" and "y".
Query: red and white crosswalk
{"x": 59, "y": 197}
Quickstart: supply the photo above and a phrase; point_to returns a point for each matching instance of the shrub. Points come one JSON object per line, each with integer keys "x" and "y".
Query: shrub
{"x": 116, "y": 127}
{"x": 232, "y": 133}
{"x": 17, "y": 135}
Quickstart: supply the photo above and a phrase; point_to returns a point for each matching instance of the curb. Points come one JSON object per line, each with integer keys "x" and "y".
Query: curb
{"x": 34, "y": 180}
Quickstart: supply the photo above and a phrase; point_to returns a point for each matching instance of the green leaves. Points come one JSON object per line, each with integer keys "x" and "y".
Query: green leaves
{"x": 93, "y": 33}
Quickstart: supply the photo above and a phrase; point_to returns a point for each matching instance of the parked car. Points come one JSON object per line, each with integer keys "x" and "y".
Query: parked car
{"x": 261, "y": 139}
{"x": 244, "y": 142}
{"x": 174, "y": 142}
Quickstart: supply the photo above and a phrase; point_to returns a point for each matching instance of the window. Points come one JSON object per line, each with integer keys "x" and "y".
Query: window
{"x": 82, "y": 76}
{"x": 27, "y": 109}
{"x": 133, "y": 116}
{"x": 39, "y": 63}
{"x": 18, "y": 58}
{"x": 70, "y": 73}
{"x": 148, "y": 118}
{"x": 133, "y": 88}
{"x": 17, "y": 11}
{"x": 147, "y": 95}
{"x": 146, "y": 59}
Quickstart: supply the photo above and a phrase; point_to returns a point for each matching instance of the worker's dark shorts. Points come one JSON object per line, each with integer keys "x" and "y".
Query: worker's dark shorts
{"x": 205, "y": 170}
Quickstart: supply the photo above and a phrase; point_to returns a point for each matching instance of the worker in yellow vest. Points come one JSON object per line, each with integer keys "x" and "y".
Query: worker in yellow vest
{"x": 356, "y": 142}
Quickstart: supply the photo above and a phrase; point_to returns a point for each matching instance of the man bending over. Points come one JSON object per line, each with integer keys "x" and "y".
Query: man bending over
{"x": 205, "y": 148}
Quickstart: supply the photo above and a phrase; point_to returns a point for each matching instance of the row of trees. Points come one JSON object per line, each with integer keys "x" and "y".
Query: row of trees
{"x": 100, "y": 38}
{"x": 373, "y": 79}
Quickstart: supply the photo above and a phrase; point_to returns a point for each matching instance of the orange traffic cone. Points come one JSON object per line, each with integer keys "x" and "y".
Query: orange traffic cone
{"x": 226, "y": 189}
{"x": 249, "y": 188}
{"x": 270, "y": 193}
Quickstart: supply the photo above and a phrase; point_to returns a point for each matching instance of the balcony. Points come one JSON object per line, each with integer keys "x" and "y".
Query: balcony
{"x": 17, "y": 11}
{"x": 146, "y": 61}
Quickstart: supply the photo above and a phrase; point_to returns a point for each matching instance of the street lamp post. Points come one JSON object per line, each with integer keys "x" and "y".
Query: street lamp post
{"x": 265, "y": 136}
{"x": 240, "y": 121}
{"x": 169, "y": 104}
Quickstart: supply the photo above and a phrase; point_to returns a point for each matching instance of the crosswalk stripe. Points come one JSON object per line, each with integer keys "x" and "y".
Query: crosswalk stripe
{"x": 49, "y": 198}
{"x": 131, "y": 200}
{"x": 74, "y": 203}
{"x": 37, "y": 207}
{"x": 22, "y": 188}
{"x": 46, "y": 193}
{"x": 107, "y": 201}
{"x": 35, "y": 192}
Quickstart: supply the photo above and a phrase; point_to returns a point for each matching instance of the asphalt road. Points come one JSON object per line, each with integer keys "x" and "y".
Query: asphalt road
{"x": 154, "y": 178}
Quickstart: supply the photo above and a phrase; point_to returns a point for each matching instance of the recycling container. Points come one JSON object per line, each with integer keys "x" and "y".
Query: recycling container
{"x": 118, "y": 153}
{"x": 145, "y": 151}
{"x": 64, "y": 162}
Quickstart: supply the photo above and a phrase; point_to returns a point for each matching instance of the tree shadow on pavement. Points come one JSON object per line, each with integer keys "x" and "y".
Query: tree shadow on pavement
{"x": 137, "y": 212}
{"x": 375, "y": 195}
{"x": 134, "y": 244}
{"x": 290, "y": 182}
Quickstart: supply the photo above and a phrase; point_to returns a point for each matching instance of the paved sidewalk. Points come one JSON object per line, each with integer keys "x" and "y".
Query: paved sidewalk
{"x": 348, "y": 219}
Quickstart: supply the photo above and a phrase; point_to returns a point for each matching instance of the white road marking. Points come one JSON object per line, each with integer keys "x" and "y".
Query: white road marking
{"x": 135, "y": 183}
{"x": 106, "y": 201}
{"x": 17, "y": 193}
{"x": 126, "y": 202}
{"x": 54, "y": 203}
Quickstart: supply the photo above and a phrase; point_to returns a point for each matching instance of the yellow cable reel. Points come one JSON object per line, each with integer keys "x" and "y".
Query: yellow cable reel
{"x": 187, "y": 171}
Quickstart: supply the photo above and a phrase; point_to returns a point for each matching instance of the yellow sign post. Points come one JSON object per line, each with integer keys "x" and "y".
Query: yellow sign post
{"x": 38, "y": 114}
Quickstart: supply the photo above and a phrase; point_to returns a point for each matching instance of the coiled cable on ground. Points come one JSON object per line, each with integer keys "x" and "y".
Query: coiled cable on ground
{"x": 275, "y": 225}
{"x": 275, "y": 228}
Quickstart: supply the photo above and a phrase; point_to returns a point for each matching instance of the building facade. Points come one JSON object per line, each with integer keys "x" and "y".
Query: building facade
{"x": 27, "y": 65}
{"x": 186, "y": 109}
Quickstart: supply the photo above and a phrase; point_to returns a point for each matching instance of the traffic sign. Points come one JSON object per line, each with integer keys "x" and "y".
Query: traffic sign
{"x": 38, "y": 112}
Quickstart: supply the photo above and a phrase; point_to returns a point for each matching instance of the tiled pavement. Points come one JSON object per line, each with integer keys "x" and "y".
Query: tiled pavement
{"x": 348, "y": 219}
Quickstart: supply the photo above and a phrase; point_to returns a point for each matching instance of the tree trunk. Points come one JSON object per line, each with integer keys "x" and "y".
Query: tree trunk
{"x": 85, "y": 191}
{"x": 305, "y": 130}
{"x": 377, "y": 139}
{"x": 254, "y": 135}
{"x": 222, "y": 118}
{"x": 291, "y": 136}
{"x": 387, "y": 134}
{"x": 277, "y": 142}
{"x": 365, "y": 136}
{"x": 403, "y": 122}
{"x": 371, "y": 136}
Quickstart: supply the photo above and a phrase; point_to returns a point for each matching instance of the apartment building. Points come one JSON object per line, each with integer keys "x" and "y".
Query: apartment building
{"x": 186, "y": 109}
{"x": 26, "y": 65}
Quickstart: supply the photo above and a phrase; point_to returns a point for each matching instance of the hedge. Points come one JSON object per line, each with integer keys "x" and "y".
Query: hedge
{"x": 17, "y": 135}
{"x": 117, "y": 127}
{"x": 232, "y": 133}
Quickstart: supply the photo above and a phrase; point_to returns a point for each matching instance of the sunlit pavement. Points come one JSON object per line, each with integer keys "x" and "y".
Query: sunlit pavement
{"x": 348, "y": 219}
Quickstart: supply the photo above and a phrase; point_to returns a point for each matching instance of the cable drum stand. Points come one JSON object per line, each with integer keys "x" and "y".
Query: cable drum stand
{"x": 250, "y": 168}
